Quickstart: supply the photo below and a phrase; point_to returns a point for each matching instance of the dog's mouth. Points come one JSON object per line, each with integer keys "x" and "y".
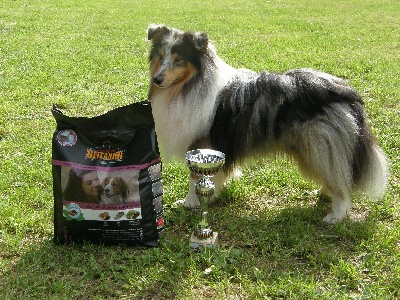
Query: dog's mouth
{"x": 161, "y": 86}
{"x": 108, "y": 195}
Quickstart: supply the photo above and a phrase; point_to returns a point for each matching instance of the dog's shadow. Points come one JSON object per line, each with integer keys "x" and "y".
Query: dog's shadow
{"x": 241, "y": 222}
{"x": 292, "y": 226}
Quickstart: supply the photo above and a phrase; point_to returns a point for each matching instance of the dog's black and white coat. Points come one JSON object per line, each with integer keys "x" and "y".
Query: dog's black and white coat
{"x": 199, "y": 101}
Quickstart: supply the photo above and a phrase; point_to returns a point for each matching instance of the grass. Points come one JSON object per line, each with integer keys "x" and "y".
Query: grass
{"x": 91, "y": 56}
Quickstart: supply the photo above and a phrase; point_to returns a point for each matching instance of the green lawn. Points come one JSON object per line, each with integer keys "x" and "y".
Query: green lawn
{"x": 91, "y": 56}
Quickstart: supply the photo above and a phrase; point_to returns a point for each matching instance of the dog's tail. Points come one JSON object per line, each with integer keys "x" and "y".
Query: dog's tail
{"x": 370, "y": 166}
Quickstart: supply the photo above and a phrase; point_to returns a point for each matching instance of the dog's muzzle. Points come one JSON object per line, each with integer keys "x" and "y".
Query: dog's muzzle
{"x": 158, "y": 80}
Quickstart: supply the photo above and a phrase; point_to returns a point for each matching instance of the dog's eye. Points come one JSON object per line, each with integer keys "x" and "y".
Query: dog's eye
{"x": 179, "y": 61}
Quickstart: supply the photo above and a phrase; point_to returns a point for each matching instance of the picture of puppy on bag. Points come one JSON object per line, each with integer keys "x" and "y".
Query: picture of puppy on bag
{"x": 91, "y": 186}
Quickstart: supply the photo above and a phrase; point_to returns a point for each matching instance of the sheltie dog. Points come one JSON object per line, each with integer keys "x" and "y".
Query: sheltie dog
{"x": 199, "y": 101}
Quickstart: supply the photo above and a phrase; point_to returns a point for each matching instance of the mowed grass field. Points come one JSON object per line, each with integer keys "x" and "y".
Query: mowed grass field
{"x": 91, "y": 56}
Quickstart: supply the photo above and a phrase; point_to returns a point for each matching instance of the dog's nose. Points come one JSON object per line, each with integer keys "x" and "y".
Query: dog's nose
{"x": 158, "y": 80}
{"x": 106, "y": 190}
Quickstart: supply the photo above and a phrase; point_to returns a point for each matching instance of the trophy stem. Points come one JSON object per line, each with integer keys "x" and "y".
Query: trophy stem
{"x": 204, "y": 220}
{"x": 203, "y": 231}
{"x": 203, "y": 236}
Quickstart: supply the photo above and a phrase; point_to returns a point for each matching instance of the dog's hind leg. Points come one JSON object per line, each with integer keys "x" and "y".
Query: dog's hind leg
{"x": 324, "y": 153}
{"x": 341, "y": 206}
{"x": 219, "y": 180}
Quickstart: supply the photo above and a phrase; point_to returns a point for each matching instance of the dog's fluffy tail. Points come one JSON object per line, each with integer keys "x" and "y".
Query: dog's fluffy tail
{"x": 374, "y": 176}
{"x": 370, "y": 167}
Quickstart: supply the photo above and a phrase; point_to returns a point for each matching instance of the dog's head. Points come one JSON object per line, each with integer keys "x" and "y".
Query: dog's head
{"x": 175, "y": 56}
{"x": 114, "y": 186}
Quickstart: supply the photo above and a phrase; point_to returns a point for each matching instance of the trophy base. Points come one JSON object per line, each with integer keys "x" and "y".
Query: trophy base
{"x": 211, "y": 242}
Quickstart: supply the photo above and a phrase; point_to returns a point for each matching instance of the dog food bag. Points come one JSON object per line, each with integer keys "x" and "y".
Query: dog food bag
{"x": 107, "y": 178}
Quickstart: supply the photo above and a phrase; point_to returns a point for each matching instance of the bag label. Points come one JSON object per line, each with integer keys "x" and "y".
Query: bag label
{"x": 105, "y": 155}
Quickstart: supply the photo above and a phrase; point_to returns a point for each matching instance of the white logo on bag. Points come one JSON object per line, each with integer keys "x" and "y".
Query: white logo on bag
{"x": 67, "y": 137}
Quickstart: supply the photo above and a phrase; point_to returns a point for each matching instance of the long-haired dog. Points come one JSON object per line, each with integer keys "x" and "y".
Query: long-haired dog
{"x": 199, "y": 101}
{"x": 114, "y": 190}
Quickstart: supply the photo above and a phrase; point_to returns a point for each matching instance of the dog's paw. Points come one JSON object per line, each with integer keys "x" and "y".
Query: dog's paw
{"x": 237, "y": 173}
{"x": 178, "y": 203}
{"x": 191, "y": 201}
{"x": 333, "y": 219}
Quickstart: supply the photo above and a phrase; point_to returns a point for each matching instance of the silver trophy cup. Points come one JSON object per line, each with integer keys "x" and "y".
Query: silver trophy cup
{"x": 204, "y": 163}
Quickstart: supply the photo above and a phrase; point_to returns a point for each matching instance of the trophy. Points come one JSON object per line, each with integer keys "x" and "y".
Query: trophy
{"x": 204, "y": 163}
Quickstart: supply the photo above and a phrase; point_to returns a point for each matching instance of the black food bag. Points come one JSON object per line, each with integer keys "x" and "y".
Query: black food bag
{"x": 107, "y": 178}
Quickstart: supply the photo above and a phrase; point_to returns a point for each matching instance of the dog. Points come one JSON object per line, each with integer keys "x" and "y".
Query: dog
{"x": 199, "y": 101}
{"x": 114, "y": 191}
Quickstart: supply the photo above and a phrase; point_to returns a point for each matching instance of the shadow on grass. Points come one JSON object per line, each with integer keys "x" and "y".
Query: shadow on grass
{"x": 48, "y": 271}
{"x": 291, "y": 237}
{"x": 264, "y": 246}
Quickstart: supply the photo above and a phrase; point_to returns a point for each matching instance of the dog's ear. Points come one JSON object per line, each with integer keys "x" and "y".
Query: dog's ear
{"x": 122, "y": 184}
{"x": 125, "y": 189}
{"x": 199, "y": 40}
{"x": 155, "y": 32}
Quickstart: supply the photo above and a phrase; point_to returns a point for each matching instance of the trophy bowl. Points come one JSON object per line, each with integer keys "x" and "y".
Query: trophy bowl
{"x": 205, "y": 162}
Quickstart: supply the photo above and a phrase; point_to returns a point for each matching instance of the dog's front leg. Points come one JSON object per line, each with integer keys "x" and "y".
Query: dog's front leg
{"x": 191, "y": 199}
